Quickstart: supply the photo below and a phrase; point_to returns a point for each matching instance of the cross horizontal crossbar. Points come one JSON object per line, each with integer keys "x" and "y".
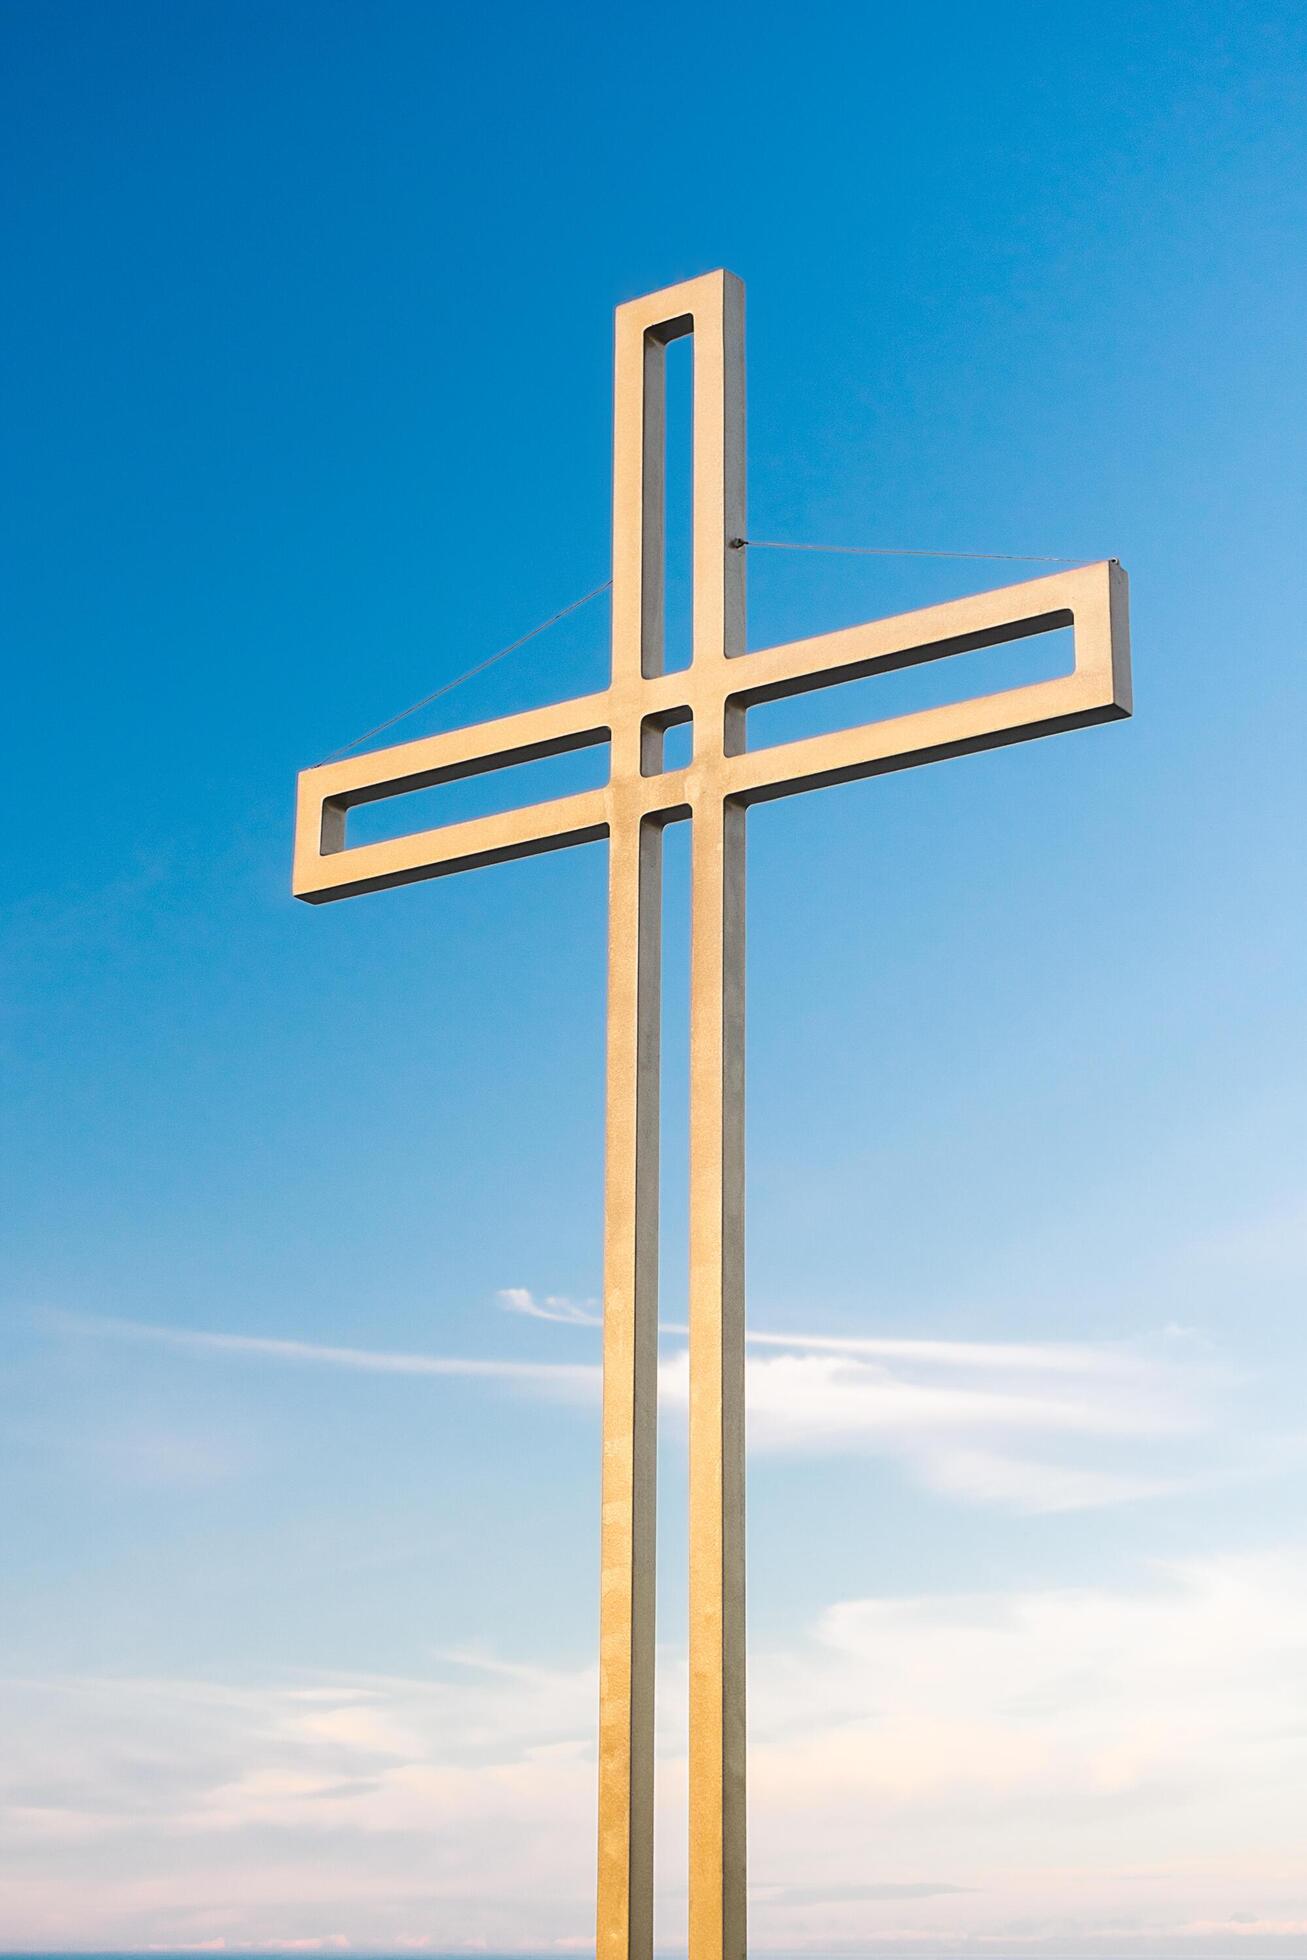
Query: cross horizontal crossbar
{"x": 1091, "y": 600}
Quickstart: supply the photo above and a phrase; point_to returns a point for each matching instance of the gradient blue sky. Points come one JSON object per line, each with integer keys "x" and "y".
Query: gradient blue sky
{"x": 307, "y": 407}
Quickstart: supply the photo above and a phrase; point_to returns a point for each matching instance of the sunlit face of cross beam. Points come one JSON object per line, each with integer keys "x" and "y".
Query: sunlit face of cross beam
{"x": 724, "y": 776}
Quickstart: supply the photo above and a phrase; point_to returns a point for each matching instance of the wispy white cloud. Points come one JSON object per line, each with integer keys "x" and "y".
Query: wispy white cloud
{"x": 1115, "y": 1359}
{"x": 1037, "y": 1485}
{"x": 800, "y": 1399}
{"x": 582, "y": 1376}
{"x": 567, "y": 1313}
{"x": 1029, "y": 1428}
{"x": 1106, "y": 1359}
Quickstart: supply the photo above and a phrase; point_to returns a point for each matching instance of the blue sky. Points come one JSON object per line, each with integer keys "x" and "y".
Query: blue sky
{"x": 307, "y": 408}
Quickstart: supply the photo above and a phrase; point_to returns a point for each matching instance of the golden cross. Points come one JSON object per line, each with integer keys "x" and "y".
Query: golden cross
{"x": 722, "y": 779}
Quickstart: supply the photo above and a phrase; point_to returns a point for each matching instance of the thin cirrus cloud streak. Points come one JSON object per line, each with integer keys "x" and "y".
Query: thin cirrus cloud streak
{"x": 372, "y": 1361}
{"x": 1025, "y": 1427}
{"x": 1040, "y": 1357}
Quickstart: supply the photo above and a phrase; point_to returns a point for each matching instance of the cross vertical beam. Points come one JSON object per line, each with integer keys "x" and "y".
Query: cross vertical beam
{"x": 717, "y": 1675}
{"x": 712, "y": 309}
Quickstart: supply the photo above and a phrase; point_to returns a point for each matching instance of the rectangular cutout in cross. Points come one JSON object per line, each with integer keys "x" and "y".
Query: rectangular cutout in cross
{"x": 666, "y": 741}
{"x": 470, "y": 794}
{"x": 666, "y": 458}
{"x": 938, "y": 677}
{"x": 677, "y": 492}
{"x": 326, "y": 866}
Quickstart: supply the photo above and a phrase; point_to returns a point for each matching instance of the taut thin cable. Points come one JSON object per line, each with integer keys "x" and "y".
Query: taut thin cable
{"x": 736, "y": 544}
{"x": 902, "y": 551}
{"x": 447, "y": 687}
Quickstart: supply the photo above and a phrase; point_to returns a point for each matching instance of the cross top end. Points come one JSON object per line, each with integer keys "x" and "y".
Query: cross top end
{"x": 722, "y": 682}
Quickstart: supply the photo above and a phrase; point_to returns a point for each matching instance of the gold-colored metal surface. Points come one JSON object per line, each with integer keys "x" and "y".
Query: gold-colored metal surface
{"x": 714, "y": 790}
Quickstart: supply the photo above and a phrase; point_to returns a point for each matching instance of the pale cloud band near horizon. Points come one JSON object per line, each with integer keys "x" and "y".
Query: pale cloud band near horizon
{"x": 1060, "y": 1770}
